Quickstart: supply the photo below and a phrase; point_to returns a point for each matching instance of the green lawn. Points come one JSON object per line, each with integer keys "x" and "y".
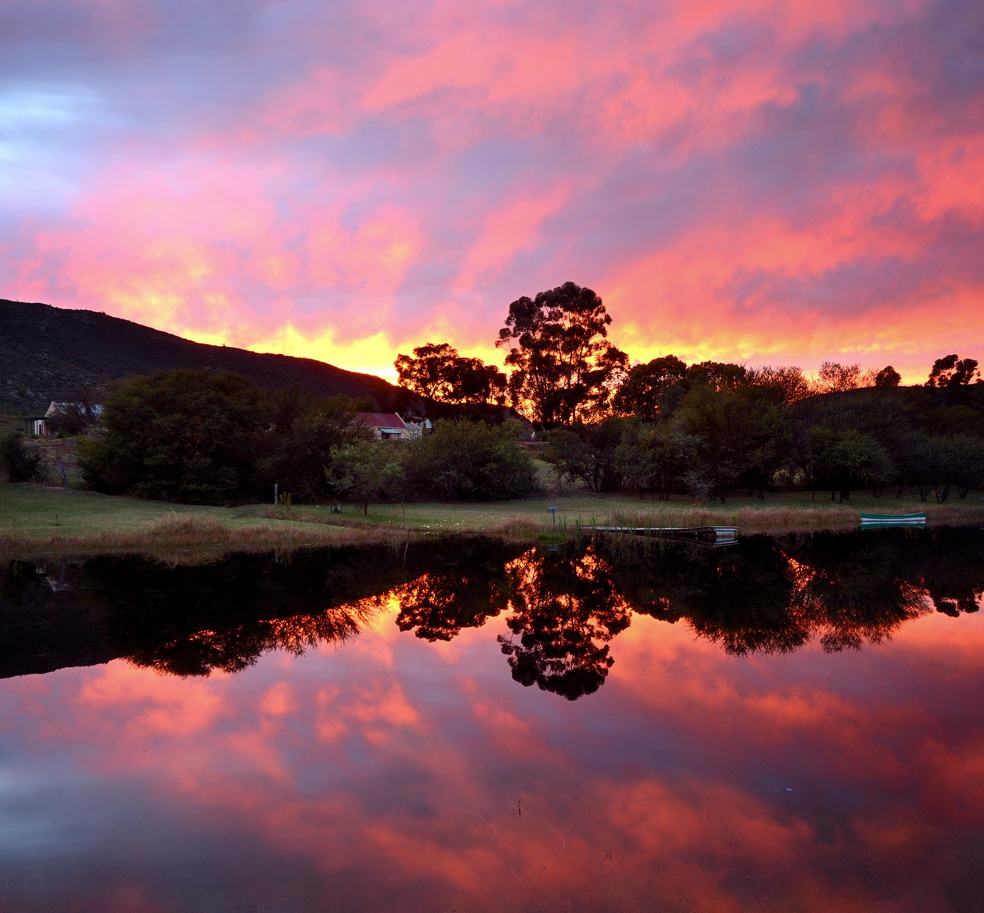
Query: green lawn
{"x": 33, "y": 517}
{"x": 777, "y": 512}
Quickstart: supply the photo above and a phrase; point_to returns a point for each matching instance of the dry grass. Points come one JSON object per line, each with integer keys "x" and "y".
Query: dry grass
{"x": 752, "y": 518}
{"x": 153, "y": 540}
{"x": 176, "y": 529}
{"x": 35, "y": 520}
{"x": 747, "y": 518}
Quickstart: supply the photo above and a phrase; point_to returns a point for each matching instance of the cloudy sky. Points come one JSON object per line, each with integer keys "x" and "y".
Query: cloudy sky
{"x": 766, "y": 181}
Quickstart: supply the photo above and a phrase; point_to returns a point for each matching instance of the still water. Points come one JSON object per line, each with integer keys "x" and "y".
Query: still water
{"x": 785, "y": 724}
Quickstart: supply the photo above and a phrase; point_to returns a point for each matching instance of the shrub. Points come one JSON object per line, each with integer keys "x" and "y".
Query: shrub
{"x": 21, "y": 462}
{"x": 183, "y": 435}
{"x": 471, "y": 461}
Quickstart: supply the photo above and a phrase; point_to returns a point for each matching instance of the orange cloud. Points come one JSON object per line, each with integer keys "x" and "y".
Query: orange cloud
{"x": 691, "y": 775}
{"x": 740, "y": 181}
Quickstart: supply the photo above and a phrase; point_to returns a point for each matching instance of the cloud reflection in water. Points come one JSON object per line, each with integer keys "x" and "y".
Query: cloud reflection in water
{"x": 380, "y": 772}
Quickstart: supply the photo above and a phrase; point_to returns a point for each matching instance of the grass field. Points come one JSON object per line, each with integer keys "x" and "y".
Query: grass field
{"x": 35, "y": 519}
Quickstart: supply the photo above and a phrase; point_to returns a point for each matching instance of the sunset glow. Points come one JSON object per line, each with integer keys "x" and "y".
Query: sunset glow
{"x": 349, "y": 766}
{"x": 766, "y": 183}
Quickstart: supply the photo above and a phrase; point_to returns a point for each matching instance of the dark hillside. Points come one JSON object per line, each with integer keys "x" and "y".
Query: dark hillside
{"x": 917, "y": 402}
{"x": 47, "y": 352}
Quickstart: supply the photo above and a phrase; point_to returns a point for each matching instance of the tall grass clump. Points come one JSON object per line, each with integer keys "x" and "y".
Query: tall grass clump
{"x": 178, "y": 528}
{"x": 748, "y": 518}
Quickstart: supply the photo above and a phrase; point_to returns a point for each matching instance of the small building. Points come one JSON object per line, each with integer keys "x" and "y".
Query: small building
{"x": 419, "y": 429}
{"x": 91, "y": 411}
{"x": 35, "y": 426}
{"x": 385, "y": 426}
{"x": 79, "y": 414}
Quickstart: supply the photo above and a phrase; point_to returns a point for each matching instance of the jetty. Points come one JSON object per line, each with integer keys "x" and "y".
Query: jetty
{"x": 710, "y": 535}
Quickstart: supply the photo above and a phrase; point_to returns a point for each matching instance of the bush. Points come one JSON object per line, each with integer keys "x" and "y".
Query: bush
{"x": 183, "y": 435}
{"x": 471, "y": 461}
{"x": 21, "y": 462}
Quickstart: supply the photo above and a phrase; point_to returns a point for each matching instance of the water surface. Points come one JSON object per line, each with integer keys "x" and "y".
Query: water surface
{"x": 785, "y": 724}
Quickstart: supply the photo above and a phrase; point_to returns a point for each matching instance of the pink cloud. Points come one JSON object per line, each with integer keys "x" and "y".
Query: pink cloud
{"x": 518, "y": 225}
{"x": 755, "y": 182}
{"x": 461, "y": 784}
{"x": 179, "y": 710}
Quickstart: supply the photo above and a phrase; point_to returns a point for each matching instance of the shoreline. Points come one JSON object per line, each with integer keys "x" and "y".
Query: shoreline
{"x": 38, "y": 521}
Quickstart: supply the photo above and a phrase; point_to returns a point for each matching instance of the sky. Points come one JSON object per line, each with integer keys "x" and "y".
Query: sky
{"x": 766, "y": 181}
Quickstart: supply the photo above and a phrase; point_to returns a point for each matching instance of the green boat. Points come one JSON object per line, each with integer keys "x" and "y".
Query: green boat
{"x": 871, "y": 520}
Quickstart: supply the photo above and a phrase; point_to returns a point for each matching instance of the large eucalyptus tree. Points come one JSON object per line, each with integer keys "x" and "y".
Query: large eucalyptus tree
{"x": 564, "y": 367}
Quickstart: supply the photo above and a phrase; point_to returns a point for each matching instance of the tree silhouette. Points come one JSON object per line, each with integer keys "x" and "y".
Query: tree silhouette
{"x": 951, "y": 371}
{"x": 437, "y": 371}
{"x": 565, "y": 611}
{"x": 564, "y": 368}
{"x": 888, "y": 377}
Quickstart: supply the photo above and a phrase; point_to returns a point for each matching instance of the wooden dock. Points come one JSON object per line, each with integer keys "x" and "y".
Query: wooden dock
{"x": 717, "y": 535}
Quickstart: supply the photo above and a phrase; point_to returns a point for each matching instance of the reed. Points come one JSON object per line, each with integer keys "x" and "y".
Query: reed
{"x": 180, "y": 529}
{"x": 747, "y": 518}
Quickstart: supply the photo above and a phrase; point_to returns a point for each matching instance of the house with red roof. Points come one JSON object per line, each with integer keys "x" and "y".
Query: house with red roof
{"x": 385, "y": 426}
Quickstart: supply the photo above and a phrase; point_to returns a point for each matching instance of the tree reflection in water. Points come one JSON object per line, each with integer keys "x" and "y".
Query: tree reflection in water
{"x": 563, "y": 606}
{"x": 224, "y": 615}
{"x": 565, "y": 610}
{"x": 850, "y": 597}
{"x": 738, "y": 596}
{"x": 466, "y": 589}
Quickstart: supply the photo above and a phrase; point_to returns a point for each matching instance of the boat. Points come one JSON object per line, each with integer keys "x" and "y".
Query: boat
{"x": 718, "y": 535}
{"x": 872, "y": 520}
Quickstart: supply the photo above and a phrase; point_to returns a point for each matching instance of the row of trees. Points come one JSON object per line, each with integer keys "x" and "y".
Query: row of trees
{"x": 715, "y": 441}
{"x": 660, "y": 427}
{"x": 566, "y": 371}
{"x": 712, "y": 427}
{"x": 214, "y": 437}
{"x": 206, "y": 437}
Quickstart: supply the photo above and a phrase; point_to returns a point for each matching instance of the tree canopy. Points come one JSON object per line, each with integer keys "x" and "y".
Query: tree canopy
{"x": 836, "y": 378}
{"x": 951, "y": 371}
{"x": 366, "y": 471}
{"x": 182, "y": 435}
{"x": 437, "y": 371}
{"x": 564, "y": 368}
{"x": 652, "y": 390}
{"x": 302, "y": 435}
{"x": 209, "y": 437}
{"x": 470, "y": 460}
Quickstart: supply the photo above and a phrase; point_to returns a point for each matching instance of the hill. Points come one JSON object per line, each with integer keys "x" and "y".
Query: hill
{"x": 47, "y": 352}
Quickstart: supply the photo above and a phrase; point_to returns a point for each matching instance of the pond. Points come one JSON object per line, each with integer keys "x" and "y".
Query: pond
{"x": 786, "y": 723}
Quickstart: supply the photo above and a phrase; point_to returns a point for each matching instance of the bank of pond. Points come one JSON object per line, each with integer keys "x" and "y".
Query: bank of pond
{"x": 561, "y": 607}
